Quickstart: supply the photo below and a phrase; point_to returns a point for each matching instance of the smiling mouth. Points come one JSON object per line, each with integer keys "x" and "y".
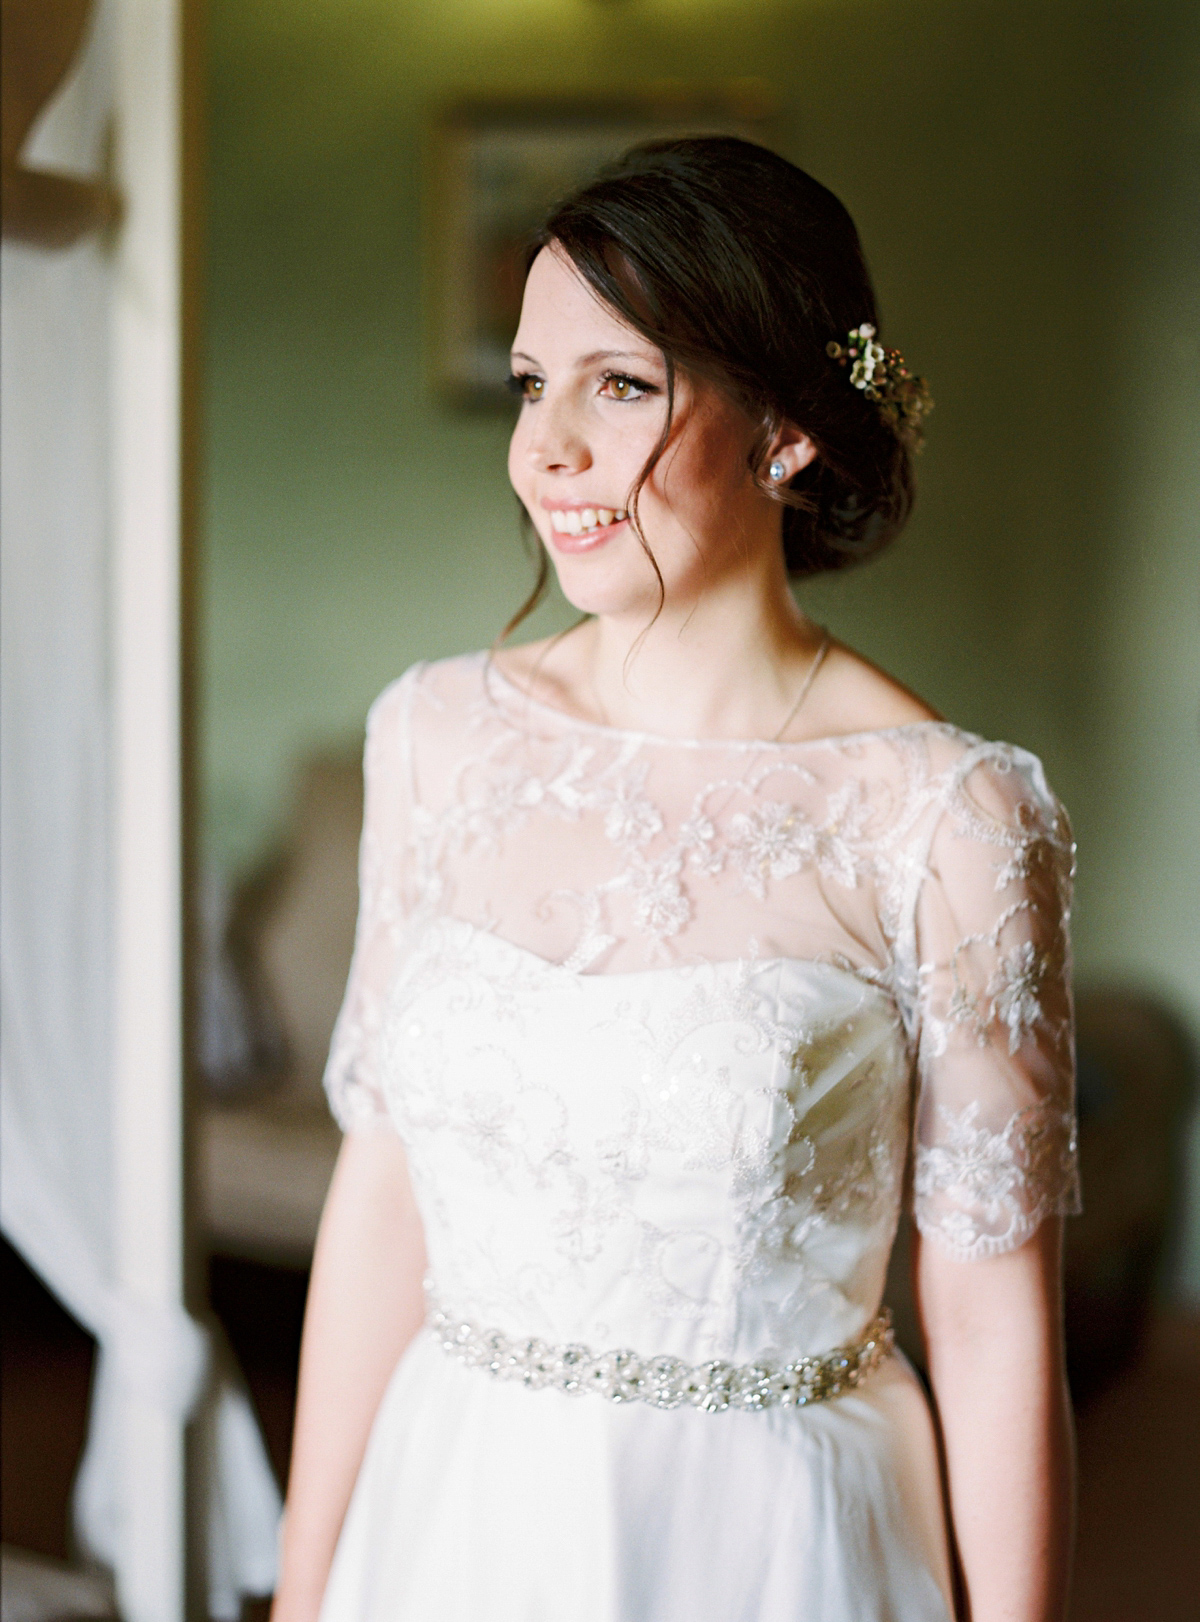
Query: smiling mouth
{"x": 584, "y": 520}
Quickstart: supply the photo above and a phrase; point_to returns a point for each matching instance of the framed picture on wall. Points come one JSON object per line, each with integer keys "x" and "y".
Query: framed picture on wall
{"x": 496, "y": 166}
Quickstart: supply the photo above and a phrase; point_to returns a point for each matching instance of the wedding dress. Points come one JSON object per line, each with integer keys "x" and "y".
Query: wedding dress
{"x": 669, "y": 1029}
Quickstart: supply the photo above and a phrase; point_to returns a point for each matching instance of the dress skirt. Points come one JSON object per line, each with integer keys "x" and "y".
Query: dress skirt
{"x": 481, "y": 1501}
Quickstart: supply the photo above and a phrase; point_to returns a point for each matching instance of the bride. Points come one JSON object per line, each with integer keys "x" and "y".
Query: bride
{"x": 692, "y": 950}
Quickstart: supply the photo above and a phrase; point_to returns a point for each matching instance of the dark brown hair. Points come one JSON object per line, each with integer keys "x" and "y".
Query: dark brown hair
{"x": 741, "y": 268}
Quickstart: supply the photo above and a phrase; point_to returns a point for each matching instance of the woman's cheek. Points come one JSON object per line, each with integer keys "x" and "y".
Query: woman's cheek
{"x": 518, "y": 463}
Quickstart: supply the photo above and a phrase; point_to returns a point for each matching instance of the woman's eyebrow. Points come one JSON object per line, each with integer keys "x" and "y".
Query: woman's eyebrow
{"x": 612, "y": 354}
{"x": 594, "y": 356}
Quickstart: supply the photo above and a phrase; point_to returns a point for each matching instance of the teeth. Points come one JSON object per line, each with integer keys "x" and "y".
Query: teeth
{"x": 578, "y": 521}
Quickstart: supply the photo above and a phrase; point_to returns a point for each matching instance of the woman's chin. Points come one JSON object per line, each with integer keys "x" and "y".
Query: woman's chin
{"x": 612, "y": 588}
{"x": 607, "y": 599}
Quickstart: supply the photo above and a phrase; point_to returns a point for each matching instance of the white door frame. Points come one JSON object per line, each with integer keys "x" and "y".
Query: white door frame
{"x": 146, "y": 498}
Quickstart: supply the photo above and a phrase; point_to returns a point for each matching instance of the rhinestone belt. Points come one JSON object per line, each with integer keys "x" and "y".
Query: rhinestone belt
{"x": 664, "y": 1382}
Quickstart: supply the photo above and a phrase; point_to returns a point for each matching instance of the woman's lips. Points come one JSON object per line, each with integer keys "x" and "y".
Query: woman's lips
{"x": 586, "y": 541}
{"x": 580, "y": 528}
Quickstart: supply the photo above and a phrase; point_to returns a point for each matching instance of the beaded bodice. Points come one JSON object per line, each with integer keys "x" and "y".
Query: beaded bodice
{"x": 658, "y": 1020}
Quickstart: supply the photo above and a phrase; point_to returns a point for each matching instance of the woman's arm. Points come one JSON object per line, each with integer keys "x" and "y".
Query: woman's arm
{"x": 994, "y": 1340}
{"x": 365, "y": 1303}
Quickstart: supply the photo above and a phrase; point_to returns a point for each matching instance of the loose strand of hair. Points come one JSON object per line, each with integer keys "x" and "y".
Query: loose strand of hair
{"x": 635, "y": 523}
{"x": 532, "y": 542}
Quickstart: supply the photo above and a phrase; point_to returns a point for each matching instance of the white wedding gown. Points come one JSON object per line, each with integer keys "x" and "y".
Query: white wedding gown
{"x": 667, "y": 1028}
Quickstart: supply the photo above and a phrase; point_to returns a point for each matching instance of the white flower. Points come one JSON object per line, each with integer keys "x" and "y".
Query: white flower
{"x": 772, "y": 841}
{"x": 977, "y": 1165}
{"x": 963, "y": 1009}
{"x": 698, "y": 836}
{"x": 487, "y": 1128}
{"x": 632, "y": 819}
{"x": 1000, "y": 1183}
{"x": 661, "y": 908}
{"x": 504, "y": 806}
{"x": 1015, "y": 990}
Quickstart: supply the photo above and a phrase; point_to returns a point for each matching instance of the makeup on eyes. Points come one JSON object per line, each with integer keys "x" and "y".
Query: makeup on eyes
{"x": 529, "y": 387}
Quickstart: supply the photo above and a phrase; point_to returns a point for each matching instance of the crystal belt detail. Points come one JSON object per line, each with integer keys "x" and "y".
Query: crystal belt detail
{"x": 664, "y": 1382}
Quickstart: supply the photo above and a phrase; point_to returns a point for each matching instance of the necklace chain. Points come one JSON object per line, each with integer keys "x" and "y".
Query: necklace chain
{"x": 748, "y": 770}
{"x": 810, "y": 676}
{"x": 806, "y": 686}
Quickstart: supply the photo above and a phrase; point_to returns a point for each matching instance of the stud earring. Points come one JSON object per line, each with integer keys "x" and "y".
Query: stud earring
{"x": 777, "y": 471}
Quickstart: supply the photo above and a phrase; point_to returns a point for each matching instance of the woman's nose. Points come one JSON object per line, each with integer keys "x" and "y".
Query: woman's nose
{"x": 556, "y": 444}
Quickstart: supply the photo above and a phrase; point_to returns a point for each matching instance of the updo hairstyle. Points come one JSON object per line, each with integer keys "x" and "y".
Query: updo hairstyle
{"x": 741, "y": 268}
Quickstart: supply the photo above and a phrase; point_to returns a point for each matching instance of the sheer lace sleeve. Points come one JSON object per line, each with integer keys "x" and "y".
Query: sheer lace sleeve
{"x": 353, "y": 1080}
{"x": 995, "y": 1133}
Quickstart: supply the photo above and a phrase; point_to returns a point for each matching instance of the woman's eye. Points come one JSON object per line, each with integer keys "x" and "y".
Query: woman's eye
{"x": 526, "y": 385}
{"x": 622, "y": 387}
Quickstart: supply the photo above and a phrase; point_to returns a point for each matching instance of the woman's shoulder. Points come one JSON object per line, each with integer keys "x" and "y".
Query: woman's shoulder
{"x": 444, "y": 687}
{"x": 976, "y": 780}
{"x": 440, "y": 715}
{"x": 426, "y": 724}
{"x": 853, "y": 697}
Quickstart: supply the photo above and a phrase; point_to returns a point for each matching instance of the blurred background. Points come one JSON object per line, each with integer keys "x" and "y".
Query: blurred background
{"x": 1026, "y": 179}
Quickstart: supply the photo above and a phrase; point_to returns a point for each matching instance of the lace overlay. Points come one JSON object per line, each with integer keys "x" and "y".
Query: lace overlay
{"x": 656, "y": 1018}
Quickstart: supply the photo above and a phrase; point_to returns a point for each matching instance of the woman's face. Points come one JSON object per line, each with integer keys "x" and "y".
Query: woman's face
{"x": 594, "y": 402}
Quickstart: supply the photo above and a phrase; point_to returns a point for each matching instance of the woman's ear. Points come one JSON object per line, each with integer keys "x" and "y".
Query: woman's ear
{"x": 792, "y": 450}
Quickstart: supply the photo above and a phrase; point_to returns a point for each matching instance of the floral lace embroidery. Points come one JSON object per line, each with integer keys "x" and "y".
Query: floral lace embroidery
{"x": 787, "y": 1186}
{"x": 776, "y": 840}
{"x": 827, "y": 852}
{"x": 974, "y": 1173}
{"x": 1013, "y": 995}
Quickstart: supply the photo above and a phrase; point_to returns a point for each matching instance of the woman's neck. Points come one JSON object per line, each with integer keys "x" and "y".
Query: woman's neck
{"x": 729, "y": 665}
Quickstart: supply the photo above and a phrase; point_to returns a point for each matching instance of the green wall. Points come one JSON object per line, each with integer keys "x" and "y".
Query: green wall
{"x": 1025, "y": 179}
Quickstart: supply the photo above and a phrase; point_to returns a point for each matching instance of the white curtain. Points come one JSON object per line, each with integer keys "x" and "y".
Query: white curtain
{"x": 55, "y": 836}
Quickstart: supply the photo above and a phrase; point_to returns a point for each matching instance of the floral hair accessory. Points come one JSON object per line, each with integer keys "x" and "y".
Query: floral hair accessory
{"x": 904, "y": 400}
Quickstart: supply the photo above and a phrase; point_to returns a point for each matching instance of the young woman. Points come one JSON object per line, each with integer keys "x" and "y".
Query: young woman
{"x": 689, "y": 940}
